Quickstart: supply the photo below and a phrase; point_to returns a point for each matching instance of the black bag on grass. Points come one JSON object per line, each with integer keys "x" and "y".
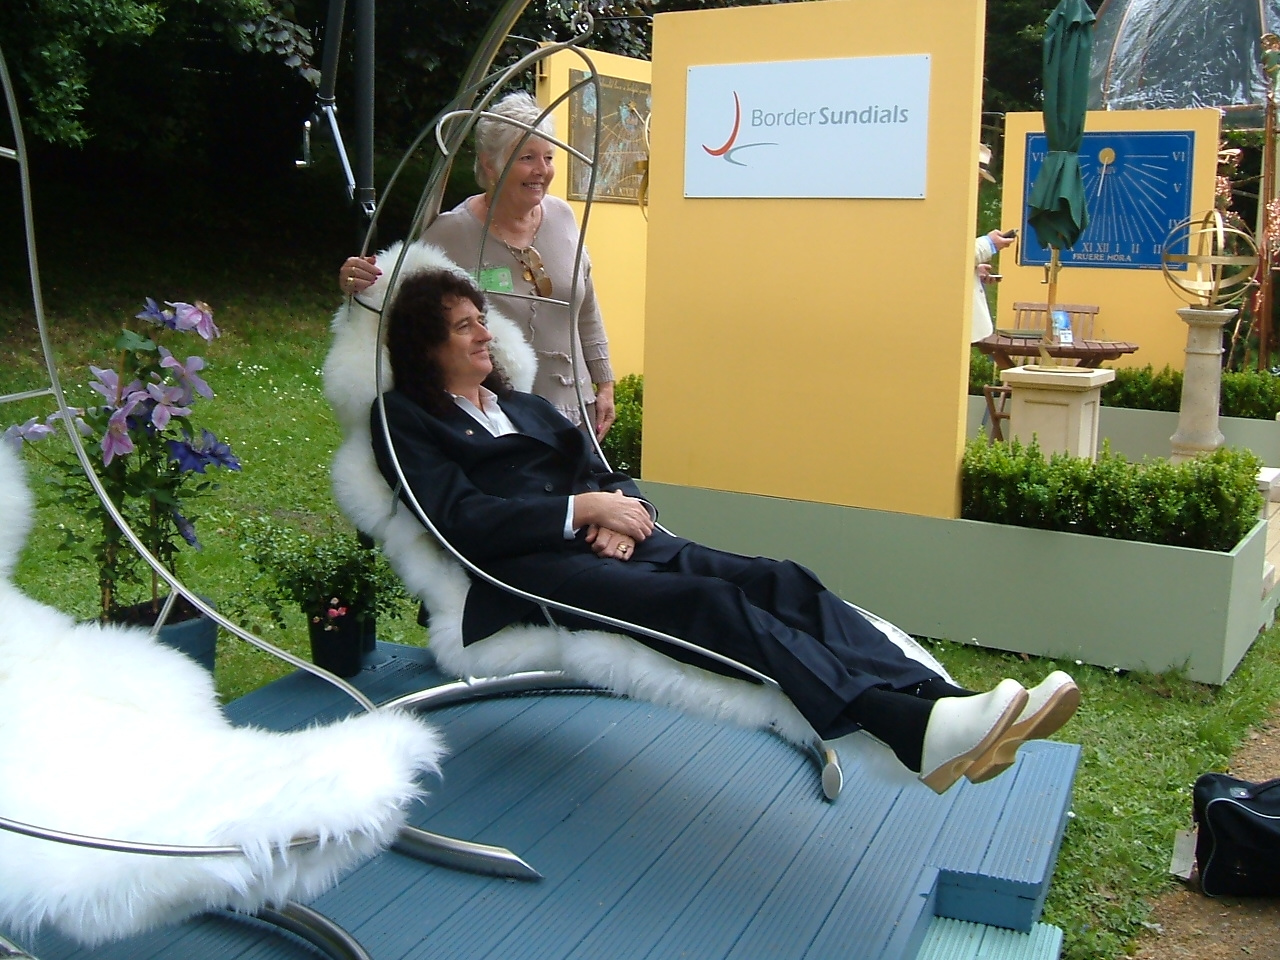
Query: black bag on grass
{"x": 1238, "y": 836}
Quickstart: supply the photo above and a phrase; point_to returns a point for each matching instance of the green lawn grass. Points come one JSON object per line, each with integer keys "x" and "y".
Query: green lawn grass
{"x": 265, "y": 259}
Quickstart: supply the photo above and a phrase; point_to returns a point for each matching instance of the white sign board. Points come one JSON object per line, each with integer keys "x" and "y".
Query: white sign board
{"x": 808, "y": 128}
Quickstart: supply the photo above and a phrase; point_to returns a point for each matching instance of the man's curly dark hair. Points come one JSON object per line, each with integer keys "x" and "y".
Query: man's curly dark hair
{"x": 417, "y": 325}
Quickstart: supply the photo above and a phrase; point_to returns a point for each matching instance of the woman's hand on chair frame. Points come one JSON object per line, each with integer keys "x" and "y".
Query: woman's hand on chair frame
{"x": 358, "y": 274}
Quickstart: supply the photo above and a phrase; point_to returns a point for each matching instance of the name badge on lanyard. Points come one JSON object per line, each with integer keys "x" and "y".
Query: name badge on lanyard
{"x": 496, "y": 280}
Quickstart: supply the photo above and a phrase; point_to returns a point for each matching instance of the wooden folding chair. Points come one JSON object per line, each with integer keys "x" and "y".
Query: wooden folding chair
{"x": 1028, "y": 316}
{"x": 997, "y": 396}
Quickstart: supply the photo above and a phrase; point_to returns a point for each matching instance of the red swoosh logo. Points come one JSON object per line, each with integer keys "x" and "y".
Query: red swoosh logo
{"x": 737, "y": 120}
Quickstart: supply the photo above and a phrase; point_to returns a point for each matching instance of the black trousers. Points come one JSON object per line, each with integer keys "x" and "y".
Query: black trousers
{"x": 772, "y": 615}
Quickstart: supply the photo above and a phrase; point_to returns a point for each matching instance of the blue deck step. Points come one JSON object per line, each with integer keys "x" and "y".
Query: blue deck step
{"x": 958, "y": 940}
{"x": 660, "y": 836}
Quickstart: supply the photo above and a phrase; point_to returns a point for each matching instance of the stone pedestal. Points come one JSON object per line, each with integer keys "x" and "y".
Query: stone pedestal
{"x": 1058, "y": 406}
{"x": 1201, "y": 384}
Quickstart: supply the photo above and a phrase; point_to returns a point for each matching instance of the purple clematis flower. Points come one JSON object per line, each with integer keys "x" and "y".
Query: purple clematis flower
{"x": 152, "y": 313}
{"x": 182, "y": 315}
{"x": 81, "y": 427}
{"x": 28, "y": 432}
{"x": 116, "y": 442}
{"x": 148, "y": 415}
{"x": 31, "y": 431}
{"x": 108, "y": 384}
{"x": 187, "y": 374}
{"x": 195, "y": 316}
{"x": 186, "y": 456}
{"x": 191, "y": 455}
{"x": 186, "y": 528}
{"x": 168, "y": 402}
{"x": 218, "y": 453}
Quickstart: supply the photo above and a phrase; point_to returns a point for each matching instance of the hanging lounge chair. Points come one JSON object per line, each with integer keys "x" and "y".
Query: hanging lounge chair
{"x": 434, "y": 572}
{"x": 525, "y": 657}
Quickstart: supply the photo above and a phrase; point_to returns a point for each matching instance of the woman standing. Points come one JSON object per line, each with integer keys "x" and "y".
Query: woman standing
{"x": 525, "y": 262}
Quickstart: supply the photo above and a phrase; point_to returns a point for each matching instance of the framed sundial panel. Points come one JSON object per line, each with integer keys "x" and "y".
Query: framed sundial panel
{"x": 1137, "y": 187}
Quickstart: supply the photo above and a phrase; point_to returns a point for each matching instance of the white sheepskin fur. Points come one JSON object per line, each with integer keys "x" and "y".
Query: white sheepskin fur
{"x": 105, "y": 732}
{"x": 605, "y": 660}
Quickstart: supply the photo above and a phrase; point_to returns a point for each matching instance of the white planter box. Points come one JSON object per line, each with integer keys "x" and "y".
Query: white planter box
{"x": 1146, "y": 433}
{"x": 1114, "y": 603}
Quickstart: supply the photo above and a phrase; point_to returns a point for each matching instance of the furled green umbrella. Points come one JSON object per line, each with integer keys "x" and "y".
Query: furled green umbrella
{"x": 1057, "y": 207}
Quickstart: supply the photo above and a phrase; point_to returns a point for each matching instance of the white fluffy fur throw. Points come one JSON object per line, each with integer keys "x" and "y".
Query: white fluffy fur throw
{"x": 107, "y": 733}
{"x": 605, "y": 660}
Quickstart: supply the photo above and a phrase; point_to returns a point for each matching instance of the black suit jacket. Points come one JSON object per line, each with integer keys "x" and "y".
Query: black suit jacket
{"x": 502, "y": 501}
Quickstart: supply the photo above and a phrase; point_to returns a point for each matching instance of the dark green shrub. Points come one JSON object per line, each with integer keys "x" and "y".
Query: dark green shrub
{"x": 982, "y": 370}
{"x": 318, "y": 570}
{"x": 622, "y": 443}
{"x": 1208, "y": 503}
{"x": 1138, "y": 388}
{"x": 1245, "y": 393}
{"x": 1250, "y": 393}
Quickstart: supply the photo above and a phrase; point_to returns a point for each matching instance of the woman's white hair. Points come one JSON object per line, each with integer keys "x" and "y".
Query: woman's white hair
{"x": 496, "y": 138}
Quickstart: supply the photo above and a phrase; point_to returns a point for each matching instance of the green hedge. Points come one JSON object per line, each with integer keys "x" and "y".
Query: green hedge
{"x": 1250, "y": 394}
{"x": 982, "y": 371}
{"x": 1208, "y": 503}
{"x": 622, "y": 443}
{"x": 1245, "y": 393}
{"x": 1138, "y": 388}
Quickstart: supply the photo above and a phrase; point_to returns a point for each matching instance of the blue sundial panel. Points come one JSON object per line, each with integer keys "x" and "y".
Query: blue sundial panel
{"x": 1137, "y": 187}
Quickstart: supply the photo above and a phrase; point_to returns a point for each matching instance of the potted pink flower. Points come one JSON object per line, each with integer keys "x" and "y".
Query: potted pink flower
{"x": 340, "y": 584}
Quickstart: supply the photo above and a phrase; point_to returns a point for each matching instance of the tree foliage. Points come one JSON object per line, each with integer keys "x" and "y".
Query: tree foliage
{"x": 222, "y": 79}
{"x": 45, "y": 42}
{"x": 1013, "y": 66}
{"x": 66, "y": 54}
{"x": 424, "y": 49}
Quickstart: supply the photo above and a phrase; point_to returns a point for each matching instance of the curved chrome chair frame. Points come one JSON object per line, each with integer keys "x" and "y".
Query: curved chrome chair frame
{"x": 311, "y": 926}
{"x": 450, "y": 128}
{"x": 314, "y": 928}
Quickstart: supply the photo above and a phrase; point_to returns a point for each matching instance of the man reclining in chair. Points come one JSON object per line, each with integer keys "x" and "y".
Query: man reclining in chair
{"x": 519, "y": 491}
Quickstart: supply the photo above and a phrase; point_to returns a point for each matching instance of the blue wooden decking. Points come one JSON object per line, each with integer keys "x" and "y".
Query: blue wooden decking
{"x": 663, "y": 836}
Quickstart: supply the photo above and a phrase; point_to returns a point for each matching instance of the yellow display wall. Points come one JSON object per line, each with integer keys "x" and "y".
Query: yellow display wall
{"x": 1136, "y": 305}
{"x": 815, "y": 349}
{"x": 616, "y": 232}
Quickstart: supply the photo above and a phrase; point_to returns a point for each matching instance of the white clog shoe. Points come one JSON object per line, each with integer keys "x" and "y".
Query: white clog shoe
{"x": 962, "y": 729}
{"x": 1050, "y": 704}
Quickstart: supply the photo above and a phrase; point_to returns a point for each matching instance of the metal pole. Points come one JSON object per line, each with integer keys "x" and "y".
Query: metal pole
{"x": 365, "y": 194}
{"x": 329, "y": 61}
{"x": 1270, "y": 44}
{"x": 1265, "y": 195}
{"x": 1047, "y": 340}
{"x": 495, "y": 35}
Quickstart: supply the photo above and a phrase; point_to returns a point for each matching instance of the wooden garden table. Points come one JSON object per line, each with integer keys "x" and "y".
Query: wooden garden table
{"x": 1004, "y": 349}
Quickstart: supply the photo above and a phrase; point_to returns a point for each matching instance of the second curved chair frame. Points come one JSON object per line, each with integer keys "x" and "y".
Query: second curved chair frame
{"x": 313, "y": 927}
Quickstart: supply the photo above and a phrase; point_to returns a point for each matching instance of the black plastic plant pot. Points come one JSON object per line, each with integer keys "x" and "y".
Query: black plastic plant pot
{"x": 339, "y": 645}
